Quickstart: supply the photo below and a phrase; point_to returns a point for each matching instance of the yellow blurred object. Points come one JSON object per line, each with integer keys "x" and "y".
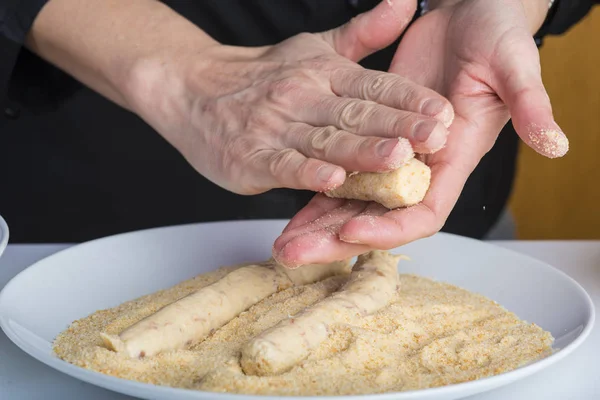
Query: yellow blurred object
{"x": 560, "y": 199}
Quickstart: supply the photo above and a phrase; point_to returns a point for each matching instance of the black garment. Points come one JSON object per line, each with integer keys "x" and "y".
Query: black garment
{"x": 74, "y": 166}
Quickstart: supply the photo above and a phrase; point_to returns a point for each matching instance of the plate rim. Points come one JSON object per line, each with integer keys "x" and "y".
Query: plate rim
{"x": 134, "y": 388}
{"x": 4, "y": 235}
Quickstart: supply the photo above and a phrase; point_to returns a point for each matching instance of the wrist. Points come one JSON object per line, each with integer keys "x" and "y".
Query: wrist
{"x": 147, "y": 57}
{"x": 155, "y": 86}
{"x": 152, "y": 84}
{"x": 536, "y": 12}
{"x": 165, "y": 89}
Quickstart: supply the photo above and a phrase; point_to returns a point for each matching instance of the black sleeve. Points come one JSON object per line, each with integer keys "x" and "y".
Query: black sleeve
{"x": 25, "y": 79}
{"x": 28, "y": 81}
{"x": 563, "y": 15}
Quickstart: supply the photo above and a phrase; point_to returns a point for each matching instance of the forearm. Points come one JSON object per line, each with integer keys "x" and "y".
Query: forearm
{"x": 101, "y": 42}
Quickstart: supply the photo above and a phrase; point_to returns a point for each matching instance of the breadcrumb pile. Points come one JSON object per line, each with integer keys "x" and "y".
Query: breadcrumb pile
{"x": 431, "y": 334}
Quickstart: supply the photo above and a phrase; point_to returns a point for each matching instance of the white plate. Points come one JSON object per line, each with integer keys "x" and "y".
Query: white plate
{"x": 3, "y": 235}
{"x": 43, "y": 300}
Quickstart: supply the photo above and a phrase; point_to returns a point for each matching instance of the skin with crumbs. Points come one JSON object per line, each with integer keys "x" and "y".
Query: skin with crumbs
{"x": 430, "y": 334}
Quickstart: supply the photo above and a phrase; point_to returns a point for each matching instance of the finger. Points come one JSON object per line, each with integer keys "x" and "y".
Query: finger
{"x": 371, "y": 31}
{"x": 425, "y": 134}
{"x": 390, "y": 231}
{"x": 288, "y": 168}
{"x": 393, "y": 91}
{"x": 317, "y": 241}
{"x": 520, "y": 86}
{"x": 327, "y": 215}
{"x": 349, "y": 151}
{"x": 398, "y": 227}
{"x": 318, "y": 206}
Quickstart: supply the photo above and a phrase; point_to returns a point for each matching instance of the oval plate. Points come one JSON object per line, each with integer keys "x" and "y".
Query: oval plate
{"x": 44, "y": 299}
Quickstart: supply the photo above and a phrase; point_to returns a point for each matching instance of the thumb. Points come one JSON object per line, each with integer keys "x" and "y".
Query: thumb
{"x": 522, "y": 90}
{"x": 372, "y": 30}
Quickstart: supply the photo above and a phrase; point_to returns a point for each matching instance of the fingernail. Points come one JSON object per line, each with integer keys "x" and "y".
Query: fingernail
{"x": 403, "y": 152}
{"x": 325, "y": 173}
{"x": 422, "y": 130}
{"x": 432, "y": 107}
{"x": 386, "y": 147}
{"x": 552, "y": 143}
{"x": 281, "y": 261}
{"x": 350, "y": 241}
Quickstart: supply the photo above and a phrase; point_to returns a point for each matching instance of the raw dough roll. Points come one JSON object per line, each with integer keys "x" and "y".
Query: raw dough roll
{"x": 193, "y": 317}
{"x": 312, "y": 273}
{"x": 405, "y": 186}
{"x": 372, "y": 283}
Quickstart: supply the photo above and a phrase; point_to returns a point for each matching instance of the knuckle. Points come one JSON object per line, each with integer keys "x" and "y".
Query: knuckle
{"x": 235, "y": 154}
{"x": 368, "y": 145}
{"x": 280, "y": 162}
{"x": 307, "y": 77}
{"x": 405, "y": 93}
{"x": 375, "y": 86}
{"x": 243, "y": 146}
{"x": 283, "y": 90}
{"x": 304, "y": 170}
{"x": 323, "y": 63}
{"x": 353, "y": 113}
{"x": 261, "y": 120}
{"x": 384, "y": 86}
{"x": 322, "y": 138}
{"x": 401, "y": 124}
{"x": 247, "y": 181}
{"x": 224, "y": 115}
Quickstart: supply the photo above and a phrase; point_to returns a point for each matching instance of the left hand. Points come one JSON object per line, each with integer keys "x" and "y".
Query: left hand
{"x": 480, "y": 54}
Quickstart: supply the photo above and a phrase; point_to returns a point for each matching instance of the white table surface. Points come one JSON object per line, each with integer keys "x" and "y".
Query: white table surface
{"x": 576, "y": 377}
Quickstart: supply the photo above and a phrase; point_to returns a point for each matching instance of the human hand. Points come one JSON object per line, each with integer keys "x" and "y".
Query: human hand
{"x": 298, "y": 114}
{"x": 479, "y": 54}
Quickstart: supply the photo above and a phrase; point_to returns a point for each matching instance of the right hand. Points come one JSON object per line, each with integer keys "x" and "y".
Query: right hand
{"x": 298, "y": 114}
